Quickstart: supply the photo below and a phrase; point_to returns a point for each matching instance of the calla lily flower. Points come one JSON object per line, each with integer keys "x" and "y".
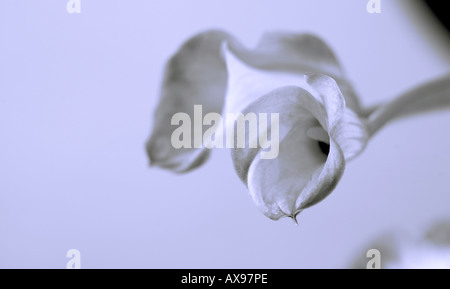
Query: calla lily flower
{"x": 298, "y": 77}
{"x": 294, "y": 75}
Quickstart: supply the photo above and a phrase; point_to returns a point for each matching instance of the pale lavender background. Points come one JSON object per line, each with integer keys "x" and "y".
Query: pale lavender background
{"x": 77, "y": 94}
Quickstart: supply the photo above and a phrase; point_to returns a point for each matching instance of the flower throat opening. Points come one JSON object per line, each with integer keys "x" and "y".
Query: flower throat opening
{"x": 324, "y": 147}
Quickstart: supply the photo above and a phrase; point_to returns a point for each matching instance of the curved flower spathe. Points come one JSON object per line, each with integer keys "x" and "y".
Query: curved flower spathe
{"x": 317, "y": 133}
{"x": 314, "y": 146}
{"x": 294, "y": 75}
{"x": 196, "y": 74}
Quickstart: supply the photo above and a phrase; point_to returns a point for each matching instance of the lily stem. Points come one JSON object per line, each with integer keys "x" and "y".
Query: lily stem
{"x": 431, "y": 96}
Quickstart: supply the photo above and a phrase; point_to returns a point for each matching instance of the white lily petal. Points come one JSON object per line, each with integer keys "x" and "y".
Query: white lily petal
{"x": 246, "y": 83}
{"x": 196, "y": 74}
{"x": 351, "y": 134}
{"x": 293, "y": 53}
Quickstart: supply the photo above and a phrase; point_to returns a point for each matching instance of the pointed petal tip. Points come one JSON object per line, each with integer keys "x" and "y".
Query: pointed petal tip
{"x": 294, "y": 218}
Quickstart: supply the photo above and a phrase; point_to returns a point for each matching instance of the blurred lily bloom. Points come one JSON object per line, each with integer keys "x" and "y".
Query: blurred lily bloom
{"x": 298, "y": 77}
{"x": 403, "y": 250}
